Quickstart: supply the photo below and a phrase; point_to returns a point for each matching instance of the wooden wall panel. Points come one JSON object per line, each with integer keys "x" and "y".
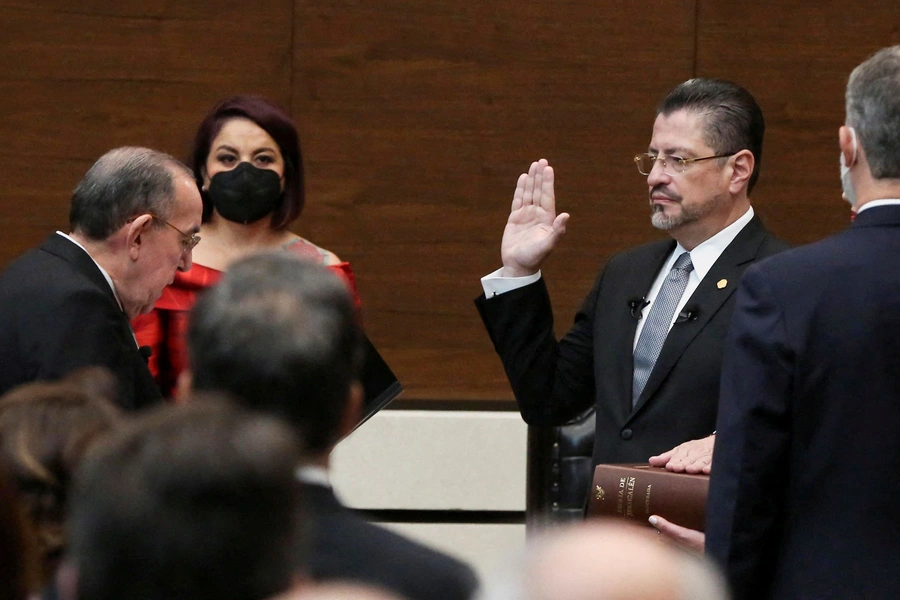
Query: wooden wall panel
{"x": 78, "y": 81}
{"x": 418, "y": 116}
{"x": 795, "y": 57}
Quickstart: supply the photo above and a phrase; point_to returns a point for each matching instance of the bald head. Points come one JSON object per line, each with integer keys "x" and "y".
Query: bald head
{"x": 600, "y": 560}
{"x": 340, "y": 591}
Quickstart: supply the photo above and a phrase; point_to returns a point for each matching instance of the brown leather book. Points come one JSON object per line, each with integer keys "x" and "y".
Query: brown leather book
{"x": 638, "y": 491}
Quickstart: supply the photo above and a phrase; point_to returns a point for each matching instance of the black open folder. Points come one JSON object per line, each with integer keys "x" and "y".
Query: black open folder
{"x": 380, "y": 385}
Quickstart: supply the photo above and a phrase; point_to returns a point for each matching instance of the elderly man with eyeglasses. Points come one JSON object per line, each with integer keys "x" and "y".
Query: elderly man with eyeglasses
{"x": 646, "y": 347}
{"x": 67, "y": 304}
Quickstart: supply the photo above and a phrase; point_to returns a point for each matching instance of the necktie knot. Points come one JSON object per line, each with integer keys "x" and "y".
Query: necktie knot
{"x": 683, "y": 263}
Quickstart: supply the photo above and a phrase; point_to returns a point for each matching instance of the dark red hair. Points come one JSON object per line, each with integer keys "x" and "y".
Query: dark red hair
{"x": 277, "y": 124}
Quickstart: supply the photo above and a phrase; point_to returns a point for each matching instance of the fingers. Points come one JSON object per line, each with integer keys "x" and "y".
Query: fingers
{"x": 520, "y": 192}
{"x": 528, "y": 195}
{"x": 538, "y": 182}
{"x": 694, "y": 456}
{"x": 534, "y": 188}
{"x": 691, "y": 539}
{"x": 543, "y": 186}
{"x": 661, "y": 460}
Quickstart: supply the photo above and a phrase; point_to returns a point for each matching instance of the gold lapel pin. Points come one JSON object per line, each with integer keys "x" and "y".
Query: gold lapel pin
{"x": 722, "y": 283}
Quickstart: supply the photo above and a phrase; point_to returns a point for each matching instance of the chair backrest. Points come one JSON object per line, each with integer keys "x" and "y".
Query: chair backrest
{"x": 559, "y": 471}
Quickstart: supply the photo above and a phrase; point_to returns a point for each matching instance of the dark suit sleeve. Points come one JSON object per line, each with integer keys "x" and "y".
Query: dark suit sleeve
{"x": 749, "y": 477}
{"x": 552, "y": 381}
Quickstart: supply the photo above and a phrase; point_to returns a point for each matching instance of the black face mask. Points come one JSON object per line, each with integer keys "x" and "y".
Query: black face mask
{"x": 245, "y": 194}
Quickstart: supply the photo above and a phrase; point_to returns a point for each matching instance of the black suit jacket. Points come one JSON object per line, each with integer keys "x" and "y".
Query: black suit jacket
{"x": 806, "y": 479}
{"x": 593, "y": 364}
{"x": 58, "y": 313}
{"x": 346, "y": 547}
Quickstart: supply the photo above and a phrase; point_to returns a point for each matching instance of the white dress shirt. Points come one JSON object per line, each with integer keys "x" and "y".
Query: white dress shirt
{"x": 703, "y": 258}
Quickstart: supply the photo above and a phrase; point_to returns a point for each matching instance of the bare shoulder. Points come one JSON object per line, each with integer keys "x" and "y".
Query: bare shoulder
{"x": 306, "y": 248}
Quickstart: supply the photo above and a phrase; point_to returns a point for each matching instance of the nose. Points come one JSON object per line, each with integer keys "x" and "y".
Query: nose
{"x": 658, "y": 175}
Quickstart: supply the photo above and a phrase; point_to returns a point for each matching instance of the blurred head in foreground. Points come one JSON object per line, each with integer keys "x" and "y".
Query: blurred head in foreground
{"x": 45, "y": 431}
{"x": 600, "y": 560}
{"x": 197, "y": 501}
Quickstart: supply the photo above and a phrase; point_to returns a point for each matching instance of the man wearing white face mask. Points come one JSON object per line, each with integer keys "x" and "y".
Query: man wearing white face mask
{"x": 804, "y": 490}
{"x": 849, "y": 193}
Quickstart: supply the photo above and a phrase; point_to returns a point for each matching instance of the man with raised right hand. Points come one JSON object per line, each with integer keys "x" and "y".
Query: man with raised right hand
{"x": 646, "y": 347}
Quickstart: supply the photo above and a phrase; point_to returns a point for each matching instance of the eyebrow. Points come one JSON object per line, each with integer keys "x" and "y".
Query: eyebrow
{"x": 676, "y": 151}
{"x": 235, "y": 151}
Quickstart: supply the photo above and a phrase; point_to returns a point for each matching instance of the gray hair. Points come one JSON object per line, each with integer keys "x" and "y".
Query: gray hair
{"x": 873, "y": 109}
{"x": 280, "y": 335}
{"x": 124, "y": 183}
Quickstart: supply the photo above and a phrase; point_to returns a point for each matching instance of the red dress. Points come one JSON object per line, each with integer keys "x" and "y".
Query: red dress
{"x": 164, "y": 329}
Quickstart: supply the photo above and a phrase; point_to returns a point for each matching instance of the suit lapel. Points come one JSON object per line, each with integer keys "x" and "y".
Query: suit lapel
{"x": 706, "y": 300}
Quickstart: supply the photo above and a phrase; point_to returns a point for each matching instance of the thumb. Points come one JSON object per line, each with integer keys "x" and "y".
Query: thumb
{"x": 559, "y": 224}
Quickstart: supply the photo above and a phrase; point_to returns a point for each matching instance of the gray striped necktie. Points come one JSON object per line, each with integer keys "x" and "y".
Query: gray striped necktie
{"x": 655, "y": 330}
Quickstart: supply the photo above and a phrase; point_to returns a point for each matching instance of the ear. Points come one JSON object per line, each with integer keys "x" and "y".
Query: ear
{"x": 742, "y": 165}
{"x": 184, "y": 386}
{"x": 353, "y": 410}
{"x": 848, "y": 149}
{"x": 134, "y": 240}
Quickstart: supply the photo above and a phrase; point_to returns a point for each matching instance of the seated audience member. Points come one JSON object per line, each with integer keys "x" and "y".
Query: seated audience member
{"x": 198, "y": 502}
{"x": 249, "y": 168}
{"x": 66, "y": 304}
{"x": 281, "y": 335}
{"x": 45, "y": 430}
{"x": 18, "y": 563}
{"x": 605, "y": 560}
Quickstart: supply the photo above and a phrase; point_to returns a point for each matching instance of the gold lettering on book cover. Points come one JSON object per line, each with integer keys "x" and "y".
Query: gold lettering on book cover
{"x": 629, "y": 506}
{"x": 599, "y": 494}
{"x": 620, "y": 496}
{"x": 647, "y": 500}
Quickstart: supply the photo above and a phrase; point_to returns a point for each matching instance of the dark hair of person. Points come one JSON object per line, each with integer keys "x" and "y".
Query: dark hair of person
{"x": 18, "y": 563}
{"x": 192, "y": 501}
{"x": 45, "y": 430}
{"x": 279, "y": 334}
{"x": 732, "y": 118}
{"x": 124, "y": 183}
{"x": 274, "y": 121}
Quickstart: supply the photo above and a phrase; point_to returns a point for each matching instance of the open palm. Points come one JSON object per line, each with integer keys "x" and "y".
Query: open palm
{"x": 533, "y": 228}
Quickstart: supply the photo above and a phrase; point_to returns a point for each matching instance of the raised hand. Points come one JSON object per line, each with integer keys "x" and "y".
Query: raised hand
{"x": 533, "y": 228}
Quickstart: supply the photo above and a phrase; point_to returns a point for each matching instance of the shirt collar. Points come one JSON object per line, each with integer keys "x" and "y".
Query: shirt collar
{"x": 106, "y": 276}
{"x": 875, "y": 203}
{"x": 704, "y": 256}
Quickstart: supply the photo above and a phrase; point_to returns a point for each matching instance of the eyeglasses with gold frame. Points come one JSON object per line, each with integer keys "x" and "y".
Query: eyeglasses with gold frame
{"x": 677, "y": 164}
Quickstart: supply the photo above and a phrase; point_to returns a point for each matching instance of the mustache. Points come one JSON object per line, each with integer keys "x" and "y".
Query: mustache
{"x": 662, "y": 190}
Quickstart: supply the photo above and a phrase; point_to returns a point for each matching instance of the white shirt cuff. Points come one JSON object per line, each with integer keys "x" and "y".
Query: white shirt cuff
{"x": 494, "y": 285}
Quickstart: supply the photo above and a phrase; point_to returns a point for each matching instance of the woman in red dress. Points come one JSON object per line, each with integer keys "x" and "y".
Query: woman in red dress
{"x": 247, "y": 163}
